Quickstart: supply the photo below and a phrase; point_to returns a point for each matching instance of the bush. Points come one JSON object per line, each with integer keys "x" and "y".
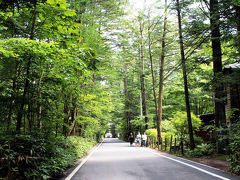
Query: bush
{"x": 231, "y": 135}
{"x": 234, "y": 148}
{"x": 180, "y": 123}
{"x": 197, "y": 140}
{"x": 37, "y": 157}
{"x": 152, "y": 133}
{"x": 201, "y": 150}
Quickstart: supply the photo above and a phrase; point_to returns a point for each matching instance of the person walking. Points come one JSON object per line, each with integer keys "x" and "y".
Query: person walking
{"x": 131, "y": 139}
{"x": 138, "y": 138}
{"x": 144, "y": 140}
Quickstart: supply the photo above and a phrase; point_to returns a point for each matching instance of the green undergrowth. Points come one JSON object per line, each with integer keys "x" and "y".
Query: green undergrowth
{"x": 201, "y": 150}
{"x": 35, "y": 156}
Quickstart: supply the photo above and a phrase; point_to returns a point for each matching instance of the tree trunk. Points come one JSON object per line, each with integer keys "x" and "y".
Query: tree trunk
{"x": 127, "y": 99}
{"x": 39, "y": 125}
{"x": 217, "y": 63}
{"x": 160, "y": 97}
{"x": 72, "y": 122}
{"x": 66, "y": 119}
{"x": 33, "y": 20}
{"x": 57, "y": 112}
{"x": 11, "y": 106}
{"x": 29, "y": 114}
{"x": 190, "y": 129}
{"x": 237, "y": 9}
{"x": 26, "y": 87}
{"x": 142, "y": 78}
{"x": 152, "y": 72}
{"x": 67, "y": 112}
{"x": 26, "y": 84}
{"x": 220, "y": 117}
{"x": 12, "y": 103}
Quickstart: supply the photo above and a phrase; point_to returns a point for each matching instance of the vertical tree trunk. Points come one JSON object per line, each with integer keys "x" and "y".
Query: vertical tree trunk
{"x": 12, "y": 101}
{"x": 72, "y": 122}
{"x": 11, "y": 106}
{"x": 217, "y": 63}
{"x": 66, "y": 119}
{"x": 33, "y": 20}
{"x": 67, "y": 112}
{"x": 220, "y": 117}
{"x": 190, "y": 129}
{"x": 57, "y": 125}
{"x": 152, "y": 72}
{"x": 26, "y": 84}
{"x": 237, "y": 15}
{"x": 160, "y": 97}
{"x": 127, "y": 99}
{"x": 39, "y": 123}
{"x": 142, "y": 78}
{"x": 29, "y": 110}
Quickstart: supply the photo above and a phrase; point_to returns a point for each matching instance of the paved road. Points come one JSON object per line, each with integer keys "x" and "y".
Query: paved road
{"x": 116, "y": 160}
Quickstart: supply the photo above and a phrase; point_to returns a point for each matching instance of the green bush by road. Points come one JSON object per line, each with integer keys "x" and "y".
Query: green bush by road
{"x": 35, "y": 156}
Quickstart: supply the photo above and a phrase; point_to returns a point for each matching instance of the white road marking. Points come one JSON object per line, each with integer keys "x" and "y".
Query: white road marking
{"x": 186, "y": 164}
{"x": 82, "y": 163}
{"x": 200, "y": 164}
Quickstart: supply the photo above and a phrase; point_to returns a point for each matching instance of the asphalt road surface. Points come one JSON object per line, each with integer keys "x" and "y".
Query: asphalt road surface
{"x": 116, "y": 160}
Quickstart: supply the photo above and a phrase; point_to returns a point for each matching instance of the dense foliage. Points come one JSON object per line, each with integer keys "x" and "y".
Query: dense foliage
{"x": 85, "y": 67}
{"x": 35, "y": 156}
{"x": 234, "y": 138}
{"x": 205, "y": 34}
{"x": 52, "y": 55}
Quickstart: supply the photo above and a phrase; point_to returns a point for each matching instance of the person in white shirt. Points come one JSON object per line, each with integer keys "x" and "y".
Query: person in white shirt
{"x": 138, "y": 139}
{"x": 144, "y": 139}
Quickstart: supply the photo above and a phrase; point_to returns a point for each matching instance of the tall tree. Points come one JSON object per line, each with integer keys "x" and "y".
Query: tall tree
{"x": 127, "y": 99}
{"x": 150, "y": 42}
{"x": 161, "y": 74}
{"x": 190, "y": 129}
{"x": 26, "y": 84}
{"x": 142, "y": 76}
{"x": 219, "y": 105}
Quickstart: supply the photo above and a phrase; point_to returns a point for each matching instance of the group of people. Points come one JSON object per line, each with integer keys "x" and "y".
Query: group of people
{"x": 141, "y": 139}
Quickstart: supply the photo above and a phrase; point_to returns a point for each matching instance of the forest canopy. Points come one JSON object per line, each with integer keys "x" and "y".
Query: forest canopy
{"x": 85, "y": 68}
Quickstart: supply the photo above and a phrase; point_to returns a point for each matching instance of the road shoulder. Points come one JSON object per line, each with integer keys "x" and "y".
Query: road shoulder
{"x": 197, "y": 165}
